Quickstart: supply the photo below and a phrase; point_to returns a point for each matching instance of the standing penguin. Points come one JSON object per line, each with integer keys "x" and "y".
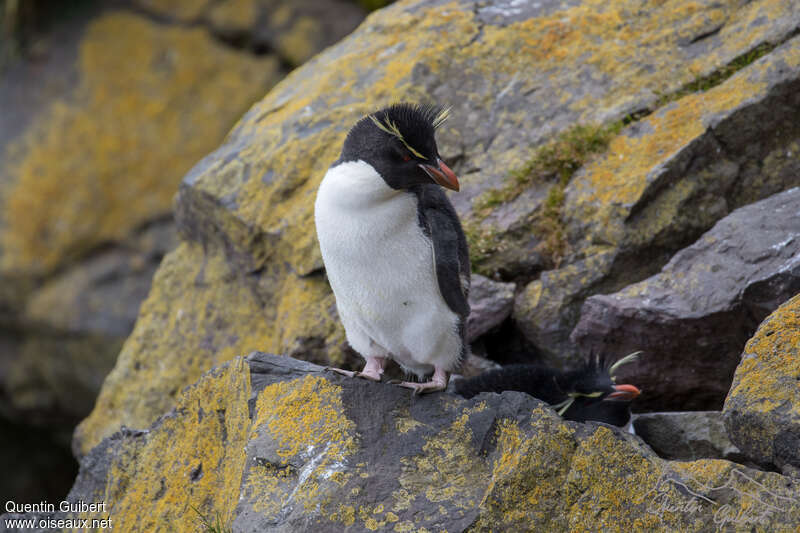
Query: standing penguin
{"x": 393, "y": 247}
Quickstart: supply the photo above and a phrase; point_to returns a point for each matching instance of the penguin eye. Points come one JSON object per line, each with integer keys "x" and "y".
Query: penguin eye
{"x": 406, "y": 157}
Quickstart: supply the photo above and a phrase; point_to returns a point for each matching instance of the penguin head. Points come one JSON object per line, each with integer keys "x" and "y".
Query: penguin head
{"x": 399, "y": 143}
{"x": 593, "y": 394}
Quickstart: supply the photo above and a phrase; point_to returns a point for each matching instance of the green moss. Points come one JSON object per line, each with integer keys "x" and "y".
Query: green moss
{"x": 482, "y": 241}
{"x": 710, "y": 81}
{"x": 557, "y": 161}
{"x": 210, "y": 525}
{"x": 554, "y": 162}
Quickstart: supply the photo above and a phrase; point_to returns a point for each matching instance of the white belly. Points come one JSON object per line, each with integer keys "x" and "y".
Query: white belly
{"x": 381, "y": 269}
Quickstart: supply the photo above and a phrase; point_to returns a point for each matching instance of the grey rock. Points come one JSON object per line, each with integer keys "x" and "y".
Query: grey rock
{"x": 692, "y": 319}
{"x": 320, "y": 452}
{"x": 490, "y": 303}
{"x": 687, "y": 435}
{"x": 762, "y": 409}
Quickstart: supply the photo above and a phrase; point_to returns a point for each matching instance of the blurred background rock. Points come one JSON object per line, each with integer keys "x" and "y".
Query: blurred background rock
{"x": 104, "y": 106}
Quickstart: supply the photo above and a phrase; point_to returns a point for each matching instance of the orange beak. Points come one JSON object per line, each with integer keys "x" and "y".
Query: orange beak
{"x": 624, "y": 392}
{"x": 442, "y": 175}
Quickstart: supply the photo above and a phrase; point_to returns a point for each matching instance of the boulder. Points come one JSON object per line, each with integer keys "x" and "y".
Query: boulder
{"x": 89, "y": 163}
{"x": 516, "y": 75}
{"x": 762, "y": 410}
{"x": 662, "y": 182}
{"x": 274, "y": 444}
{"x": 693, "y": 318}
{"x": 686, "y": 435}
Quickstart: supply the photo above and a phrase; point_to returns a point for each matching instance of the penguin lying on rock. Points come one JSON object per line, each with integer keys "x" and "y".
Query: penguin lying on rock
{"x": 394, "y": 251}
{"x": 587, "y": 393}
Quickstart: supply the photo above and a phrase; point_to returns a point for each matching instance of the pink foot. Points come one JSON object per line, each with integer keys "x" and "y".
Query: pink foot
{"x": 372, "y": 371}
{"x": 438, "y": 382}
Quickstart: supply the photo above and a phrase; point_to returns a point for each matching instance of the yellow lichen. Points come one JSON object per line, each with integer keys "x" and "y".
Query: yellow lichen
{"x": 193, "y": 459}
{"x": 305, "y": 418}
{"x": 108, "y": 157}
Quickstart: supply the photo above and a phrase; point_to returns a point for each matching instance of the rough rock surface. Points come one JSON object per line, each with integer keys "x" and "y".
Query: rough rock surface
{"x": 275, "y": 444}
{"x": 762, "y": 410}
{"x": 113, "y": 104}
{"x": 663, "y": 181}
{"x": 89, "y": 163}
{"x": 516, "y": 75}
{"x": 490, "y": 304}
{"x": 686, "y": 435}
{"x": 293, "y": 30}
{"x": 693, "y": 318}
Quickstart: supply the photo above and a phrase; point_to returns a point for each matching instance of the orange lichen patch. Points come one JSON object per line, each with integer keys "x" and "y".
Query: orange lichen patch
{"x": 306, "y": 420}
{"x": 305, "y": 413}
{"x": 608, "y": 479}
{"x": 237, "y": 15}
{"x": 107, "y": 158}
{"x": 448, "y": 469}
{"x": 611, "y": 185}
{"x": 193, "y": 458}
{"x": 767, "y": 377}
{"x": 525, "y": 487}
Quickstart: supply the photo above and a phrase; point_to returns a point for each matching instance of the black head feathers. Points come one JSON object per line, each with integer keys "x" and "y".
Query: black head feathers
{"x": 586, "y": 393}
{"x": 399, "y": 143}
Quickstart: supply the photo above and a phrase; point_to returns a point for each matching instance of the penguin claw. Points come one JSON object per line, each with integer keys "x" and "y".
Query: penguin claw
{"x": 422, "y": 388}
{"x": 355, "y": 374}
{"x": 348, "y": 373}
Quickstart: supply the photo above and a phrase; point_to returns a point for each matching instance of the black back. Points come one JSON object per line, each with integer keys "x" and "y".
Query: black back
{"x": 439, "y": 221}
{"x": 556, "y": 387}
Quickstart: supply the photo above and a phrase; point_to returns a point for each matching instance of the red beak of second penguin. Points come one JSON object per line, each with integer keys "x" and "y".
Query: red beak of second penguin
{"x": 442, "y": 175}
{"x": 624, "y": 392}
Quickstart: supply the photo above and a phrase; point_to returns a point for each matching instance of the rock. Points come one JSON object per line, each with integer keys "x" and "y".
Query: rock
{"x": 293, "y": 29}
{"x": 89, "y": 163}
{"x": 71, "y": 161}
{"x": 249, "y": 204}
{"x": 762, "y": 410}
{"x": 692, "y": 319}
{"x": 686, "y": 436}
{"x": 490, "y": 304}
{"x": 661, "y": 183}
{"x": 274, "y": 444}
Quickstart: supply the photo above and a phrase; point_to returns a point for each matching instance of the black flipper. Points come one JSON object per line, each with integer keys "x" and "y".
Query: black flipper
{"x": 440, "y": 222}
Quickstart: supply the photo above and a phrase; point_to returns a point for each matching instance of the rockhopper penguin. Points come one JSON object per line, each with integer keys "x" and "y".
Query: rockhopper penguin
{"x": 587, "y": 393}
{"x": 394, "y": 251}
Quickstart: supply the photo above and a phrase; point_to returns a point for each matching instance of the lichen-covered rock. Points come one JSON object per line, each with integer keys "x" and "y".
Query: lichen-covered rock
{"x": 762, "y": 410}
{"x": 686, "y": 435}
{"x": 106, "y": 157}
{"x": 294, "y": 29}
{"x": 516, "y": 75}
{"x": 89, "y": 163}
{"x": 662, "y": 182}
{"x": 693, "y": 318}
{"x": 285, "y": 446}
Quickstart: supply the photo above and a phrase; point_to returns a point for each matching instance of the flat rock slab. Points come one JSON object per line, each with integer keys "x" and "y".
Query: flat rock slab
{"x": 268, "y": 443}
{"x": 693, "y": 319}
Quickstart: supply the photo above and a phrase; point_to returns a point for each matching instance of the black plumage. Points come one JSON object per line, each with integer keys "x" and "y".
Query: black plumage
{"x": 393, "y": 247}
{"x": 586, "y": 393}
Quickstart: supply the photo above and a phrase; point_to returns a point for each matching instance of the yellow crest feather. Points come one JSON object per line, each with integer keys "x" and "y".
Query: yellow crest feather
{"x": 392, "y": 129}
